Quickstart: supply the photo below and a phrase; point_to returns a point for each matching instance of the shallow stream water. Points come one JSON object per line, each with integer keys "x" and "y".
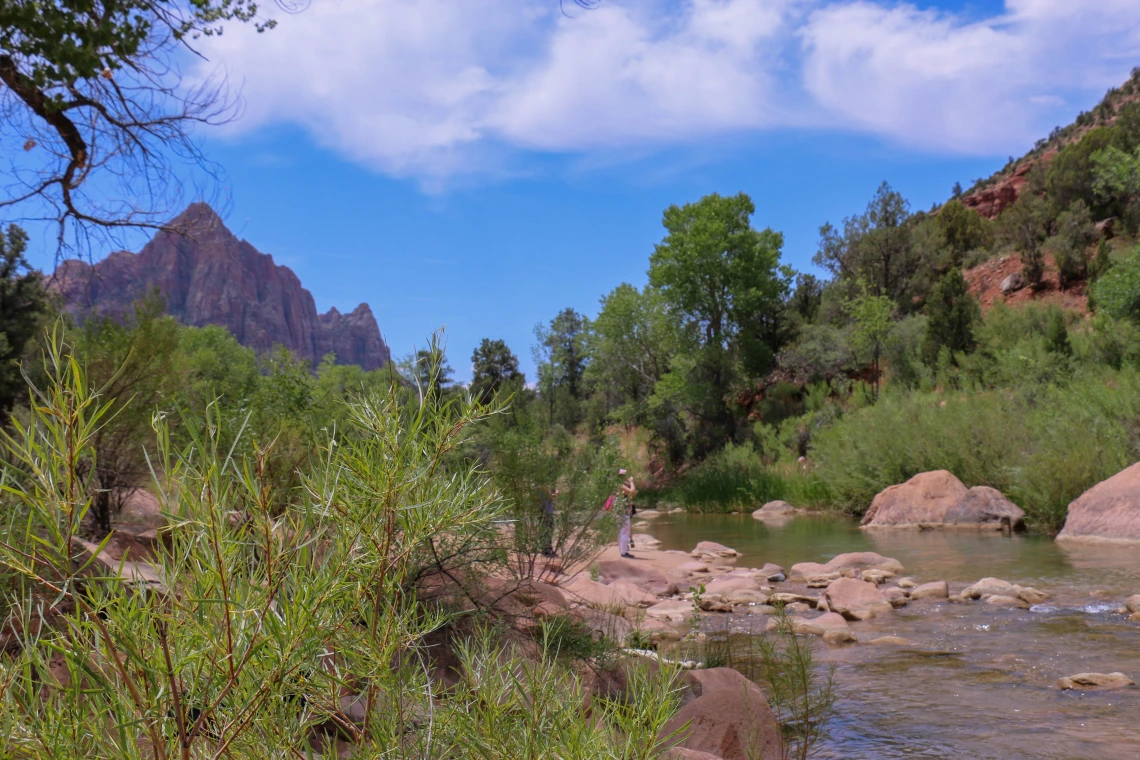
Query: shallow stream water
{"x": 977, "y": 681}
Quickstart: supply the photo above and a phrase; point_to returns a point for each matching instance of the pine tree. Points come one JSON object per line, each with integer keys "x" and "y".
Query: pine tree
{"x": 952, "y": 313}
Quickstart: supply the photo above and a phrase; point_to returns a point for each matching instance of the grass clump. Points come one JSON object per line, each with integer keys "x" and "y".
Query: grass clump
{"x": 736, "y": 478}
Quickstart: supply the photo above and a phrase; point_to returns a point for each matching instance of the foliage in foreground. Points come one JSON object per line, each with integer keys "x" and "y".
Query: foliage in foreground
{"x": 269, "y": 633}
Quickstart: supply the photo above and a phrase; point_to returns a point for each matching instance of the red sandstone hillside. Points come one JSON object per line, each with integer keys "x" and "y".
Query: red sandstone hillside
{"x": 210, "y": 277}
{"x": 989, "y": 197}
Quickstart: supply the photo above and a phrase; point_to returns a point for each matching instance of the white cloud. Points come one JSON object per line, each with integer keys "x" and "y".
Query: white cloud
{"x": 930, "y": 79}
{"x": 438, "y": 88}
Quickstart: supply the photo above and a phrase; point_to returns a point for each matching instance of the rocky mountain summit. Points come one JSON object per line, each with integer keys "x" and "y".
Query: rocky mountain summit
{"x": 210, "y": 277}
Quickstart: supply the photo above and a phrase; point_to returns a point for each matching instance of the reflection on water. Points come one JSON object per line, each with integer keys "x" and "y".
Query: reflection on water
{"x": 978, "y": 681}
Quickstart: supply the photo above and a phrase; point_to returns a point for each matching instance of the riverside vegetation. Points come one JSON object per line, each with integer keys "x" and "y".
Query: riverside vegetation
{"x": 374, "y": 605}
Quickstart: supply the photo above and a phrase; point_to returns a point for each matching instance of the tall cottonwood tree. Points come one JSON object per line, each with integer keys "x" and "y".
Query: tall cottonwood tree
{"x": 724, "y": 282}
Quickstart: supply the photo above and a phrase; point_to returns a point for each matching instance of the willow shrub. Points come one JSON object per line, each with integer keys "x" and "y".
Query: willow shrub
{"x": 270, "y": 634}
{"x": 1041, "y": 444}
{"x": 736, "y": 478}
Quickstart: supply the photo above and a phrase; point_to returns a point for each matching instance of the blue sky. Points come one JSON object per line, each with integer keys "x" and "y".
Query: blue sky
{"x": 480, "y": 164}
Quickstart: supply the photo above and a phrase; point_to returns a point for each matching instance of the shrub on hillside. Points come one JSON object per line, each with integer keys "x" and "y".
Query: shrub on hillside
{"x": 1117, "y": 291}
{"x": 951, "y": 315}
{"x": 1075, "y": 233}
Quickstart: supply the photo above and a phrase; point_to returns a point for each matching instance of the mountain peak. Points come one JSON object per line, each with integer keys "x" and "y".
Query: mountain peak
{"x": 209, "y": 277}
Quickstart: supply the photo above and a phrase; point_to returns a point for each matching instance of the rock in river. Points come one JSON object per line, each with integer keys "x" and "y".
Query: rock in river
{"x": 774, "y": 510}
{"x": 1095, "y": 681}
{"x": 989, "y": 587}
{"x": 939, "y": 500}
{"x": 937, "y": 590}
{"x": 1107, "y": 512}
{"x": 850, "y": 596}
{"x": 850, "y": 561}
{"x": 711, "y": 550}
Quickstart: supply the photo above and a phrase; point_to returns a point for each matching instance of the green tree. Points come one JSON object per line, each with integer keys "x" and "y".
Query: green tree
{"x": 1024, "y": 227}
{"x": 562, "y": 355}
{"x": 493, "y": 365}
{"x": 1072, "y": 174}
{"x": 24, "y": 305}
{"x": 566, "y": 340}
{"x": 963, "y": 229}
{"x": 633, "y": 338}
{"x": 952, "y": 316}
{"x": 874, "y": 248}
{"x": 806, "y": 297}
{"x": 215, "y": 366}
{"x": 134, "y": 363}
{"x": 872, "y": 317}
{"x": 723, "y": 280}
{"x": 428, "y": 369}
{"x": 1075, "y": 233}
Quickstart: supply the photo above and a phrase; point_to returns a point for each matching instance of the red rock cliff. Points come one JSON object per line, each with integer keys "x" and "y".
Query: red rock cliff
{"x": 209, "y": 277}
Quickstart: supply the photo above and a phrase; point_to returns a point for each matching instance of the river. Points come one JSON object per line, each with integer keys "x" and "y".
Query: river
{"x": 977, "y": 681}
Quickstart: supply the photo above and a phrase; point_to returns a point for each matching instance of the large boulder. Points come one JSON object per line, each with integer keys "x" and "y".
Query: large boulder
{"x": 938, "y": 499}
{"x": 817, "y": 626}
{"x": 1107, "y": 512}
{"x": 847, "y": 562}
{"x": 935, "y": 590}
{"x": 850, "y": 597}
{"x": 1013, "y": 283}
{"x": 728, "y": 716}
{"x": 605, "y": 625}
{"x": 989, "y": 587}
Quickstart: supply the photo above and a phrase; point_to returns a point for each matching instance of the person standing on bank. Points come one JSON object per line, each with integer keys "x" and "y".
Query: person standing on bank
{"x": 625, "y": 534}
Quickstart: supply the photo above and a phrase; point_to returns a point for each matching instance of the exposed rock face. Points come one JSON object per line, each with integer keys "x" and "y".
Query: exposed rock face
{"x": 992, "y": 200}
{"x": 938, "y": 499}
{"x": 210, "y": 277}
{"x": 1109, "y": 511}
